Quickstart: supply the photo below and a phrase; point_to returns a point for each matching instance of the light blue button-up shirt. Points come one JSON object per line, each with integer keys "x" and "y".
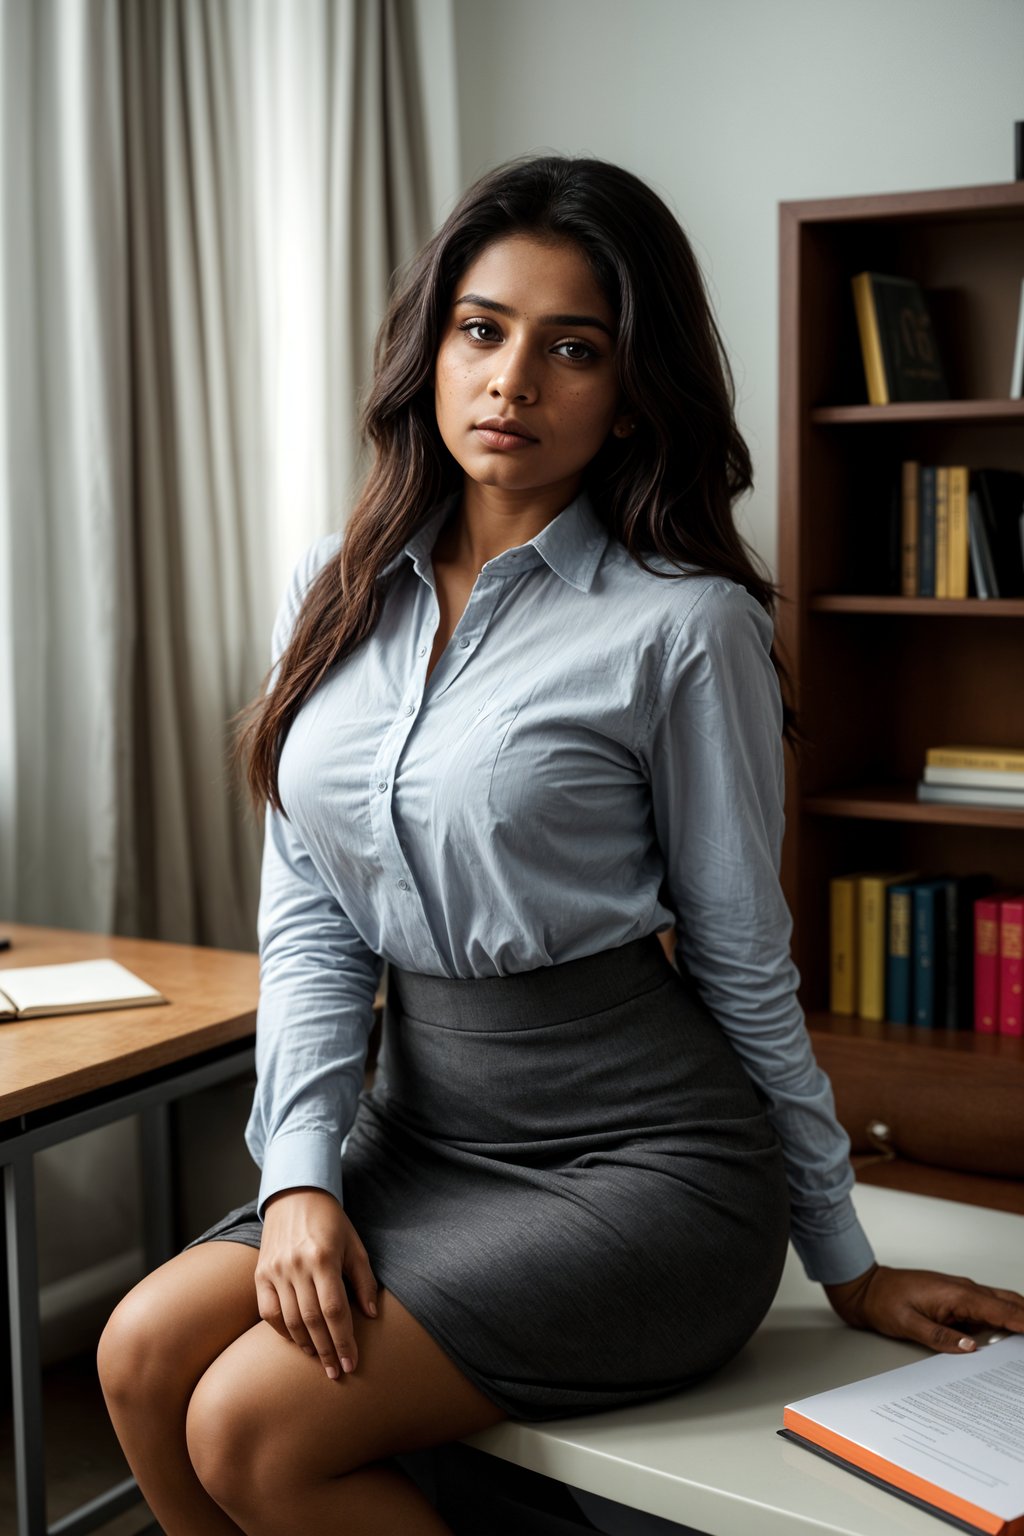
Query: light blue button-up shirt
{"x": 596, "y": 756}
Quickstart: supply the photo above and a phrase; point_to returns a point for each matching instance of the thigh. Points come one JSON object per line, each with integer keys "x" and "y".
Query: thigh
{"x": 264, "y": 1404}
{"x": 166, "y": 1332}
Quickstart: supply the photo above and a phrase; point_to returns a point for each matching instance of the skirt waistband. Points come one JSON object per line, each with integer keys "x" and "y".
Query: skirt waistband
{"x": 550, "y": 994}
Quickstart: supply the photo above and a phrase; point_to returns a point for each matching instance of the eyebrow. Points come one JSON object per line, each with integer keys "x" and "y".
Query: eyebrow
{"x": 479, "y": 302}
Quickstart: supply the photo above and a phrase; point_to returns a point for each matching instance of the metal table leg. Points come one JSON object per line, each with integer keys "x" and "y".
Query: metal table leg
{"x": 26, "y": 1378}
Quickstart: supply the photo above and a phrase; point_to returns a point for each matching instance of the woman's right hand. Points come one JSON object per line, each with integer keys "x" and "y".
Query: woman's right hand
{"x": 308, "y": 1245}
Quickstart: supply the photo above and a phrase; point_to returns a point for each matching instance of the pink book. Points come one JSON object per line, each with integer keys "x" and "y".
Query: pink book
{"x": 1011, "y": 964}
{"x": 986, "y": 965}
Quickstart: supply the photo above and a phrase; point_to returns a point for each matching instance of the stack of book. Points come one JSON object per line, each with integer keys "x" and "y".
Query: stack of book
{"x": 903, "y": 947}
{"x": 960, "y": 531}
{"x": 973, "y": 776}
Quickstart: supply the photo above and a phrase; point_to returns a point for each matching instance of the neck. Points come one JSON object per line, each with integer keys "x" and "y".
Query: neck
{"x": 489, "y": 520}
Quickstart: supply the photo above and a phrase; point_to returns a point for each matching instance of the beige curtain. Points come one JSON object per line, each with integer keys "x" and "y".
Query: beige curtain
{"x": 203, "y": 202}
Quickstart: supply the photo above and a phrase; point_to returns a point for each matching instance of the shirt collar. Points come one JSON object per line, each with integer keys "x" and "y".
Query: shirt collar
{"x": 571, "y": 545}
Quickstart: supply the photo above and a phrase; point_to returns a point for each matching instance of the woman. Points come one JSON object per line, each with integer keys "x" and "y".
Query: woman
{"x": 525, "y": 717}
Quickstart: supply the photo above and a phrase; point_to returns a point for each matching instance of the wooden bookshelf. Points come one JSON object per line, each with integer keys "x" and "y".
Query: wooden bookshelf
{"x": 880, "y": 678}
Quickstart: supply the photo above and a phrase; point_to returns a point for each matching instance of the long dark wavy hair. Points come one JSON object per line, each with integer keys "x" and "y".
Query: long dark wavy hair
{"x": 668, "y": 489}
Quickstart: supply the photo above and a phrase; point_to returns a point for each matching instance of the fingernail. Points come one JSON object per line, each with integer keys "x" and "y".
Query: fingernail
{"x": 372, "y": 1308}
{"x": 332, "y": 1372}
{"x": 966, "y": 1344}
{"x": 346, "y": 1364}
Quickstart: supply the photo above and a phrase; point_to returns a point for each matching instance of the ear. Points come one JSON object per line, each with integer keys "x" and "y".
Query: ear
{"x": 624, "y": 426}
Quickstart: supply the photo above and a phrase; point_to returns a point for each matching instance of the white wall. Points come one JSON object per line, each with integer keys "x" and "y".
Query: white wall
{"x": 728, "y": 107}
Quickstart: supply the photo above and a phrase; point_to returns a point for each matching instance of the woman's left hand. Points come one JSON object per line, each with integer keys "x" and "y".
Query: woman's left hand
{"x": 939, "y": 1311}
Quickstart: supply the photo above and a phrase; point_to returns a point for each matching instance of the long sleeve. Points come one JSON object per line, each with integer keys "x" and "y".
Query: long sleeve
{"x": 317, "y": 984}
{"x": 714, "y": 754}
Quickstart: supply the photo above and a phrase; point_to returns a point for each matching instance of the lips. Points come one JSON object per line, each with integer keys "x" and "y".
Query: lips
{"x": 504, "y": 432}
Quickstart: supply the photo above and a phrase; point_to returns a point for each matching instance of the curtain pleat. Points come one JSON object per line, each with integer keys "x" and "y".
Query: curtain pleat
{"x": 204, "y": 201}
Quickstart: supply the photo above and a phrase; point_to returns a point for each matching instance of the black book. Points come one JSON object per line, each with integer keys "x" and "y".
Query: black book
{"x": 1000, "y": 495}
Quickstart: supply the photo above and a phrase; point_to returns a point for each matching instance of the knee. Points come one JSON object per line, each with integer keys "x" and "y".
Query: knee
{"x": 227, "y": 1442}
{"x": 135, "y": 1358}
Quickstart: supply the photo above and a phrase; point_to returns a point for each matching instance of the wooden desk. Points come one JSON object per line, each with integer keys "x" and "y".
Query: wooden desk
{"x": 65, "y": 1075}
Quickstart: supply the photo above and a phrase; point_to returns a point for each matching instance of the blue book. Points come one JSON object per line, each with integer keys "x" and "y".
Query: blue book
{"x": 930, "y": 898}
{"x": 926, "y": 532}
{"x": 899, "y": 951}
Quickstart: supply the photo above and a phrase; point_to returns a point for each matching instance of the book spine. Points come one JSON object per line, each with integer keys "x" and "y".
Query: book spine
{"x": 870, "y": 339}
{"x": 1011, "y": 965}
{"x": 959, "y": 541}
{"x": 926, "y": 533}
{"x": 871, "y": 946}
{"x": 942, "y": 531}
{"x": 908, "y": 528}
{"x": 975, "y": 778}
{"x": 925, "y": 953}
{"x": 843, "y": 935}
{"x": 986, "y": 965}
{"x": 989, "y": 759}
{"x": 898, "y": 998}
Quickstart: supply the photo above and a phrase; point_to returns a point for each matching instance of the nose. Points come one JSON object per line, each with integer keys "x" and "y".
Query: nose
{"x": 513, "y": 378}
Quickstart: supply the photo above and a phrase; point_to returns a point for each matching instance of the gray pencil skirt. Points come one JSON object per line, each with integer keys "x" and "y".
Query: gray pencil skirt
{"x": 567, "y": 1177}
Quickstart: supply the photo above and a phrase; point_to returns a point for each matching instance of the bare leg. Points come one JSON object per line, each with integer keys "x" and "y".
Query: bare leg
{"x": 283, "y": 1450}
{"x": 157, "y": 1345}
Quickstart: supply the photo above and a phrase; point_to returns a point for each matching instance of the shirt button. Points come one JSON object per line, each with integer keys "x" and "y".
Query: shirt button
{"x": 382, "y": 786}
{"x": 403, "y": 885}
{"x": 423, "y": 650}
{"x": 411, "y": 709}
{"x": 463, "y": 643}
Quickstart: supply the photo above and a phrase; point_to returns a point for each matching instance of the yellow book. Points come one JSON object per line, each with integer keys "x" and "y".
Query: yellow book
{"x": 908, "y": 528}
{"x": 997, "y": 759}
{"x": 842, "y": 992}
{"x": 941, "y": 531}
{"x": 870, "y": 339}
{"x": 871, "y": 942}
{"x": 959, "y": 540}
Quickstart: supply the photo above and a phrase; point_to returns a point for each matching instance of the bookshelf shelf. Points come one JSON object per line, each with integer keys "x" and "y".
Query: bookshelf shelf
{"x": 924, "y": 410}
{"x": 876, "y": 680}
{"x": 922, "y": 607}
{"x": 899, "y": 803}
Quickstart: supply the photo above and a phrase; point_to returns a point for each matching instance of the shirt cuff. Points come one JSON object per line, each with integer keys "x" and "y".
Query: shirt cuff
{"x": 302, "y": 1159}
{"x": 833, "y": 1258}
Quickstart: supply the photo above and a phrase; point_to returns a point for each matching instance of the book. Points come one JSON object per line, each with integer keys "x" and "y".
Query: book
{"x": 926, "y": 532}
{"x": 977, "y": 778}
{"x": 84, "y": 986}
{"x": 929, "y": 951}
{"x": 1001, "y": 502}
{"x": 992, "y": 759}
{"x": 899, "y": 991}
{"x": 942, "y": 1433}
{"x": 986, "y": 965}
{"x": 961, "y": 894}
{"x": 941, "y": 531}
{"x": 970, "y": 794}
{"x": 983, "y": 575}
{"x": 909, "y": 477}
{"x": 872, "y": 941}
{"x": 1017, "y": 371}
{"x": 1011, "y": 964}
{"x": 843, "y": 951}
{"x": 897, "y": 339}
{"x": 958, "y": 553}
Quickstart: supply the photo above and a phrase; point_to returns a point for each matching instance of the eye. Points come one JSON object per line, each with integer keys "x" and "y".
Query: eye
{"x": 469, "y": 326}
{"x": 576, "y": 351}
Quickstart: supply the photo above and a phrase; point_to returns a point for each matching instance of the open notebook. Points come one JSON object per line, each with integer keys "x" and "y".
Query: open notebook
{"x": 84, "y": 986}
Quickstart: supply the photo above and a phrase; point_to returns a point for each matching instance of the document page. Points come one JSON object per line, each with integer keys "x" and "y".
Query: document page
{"x": 954, "y": 1421}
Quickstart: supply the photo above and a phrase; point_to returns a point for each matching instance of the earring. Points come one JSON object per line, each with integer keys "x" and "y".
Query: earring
{"x": 624, "y": 428}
